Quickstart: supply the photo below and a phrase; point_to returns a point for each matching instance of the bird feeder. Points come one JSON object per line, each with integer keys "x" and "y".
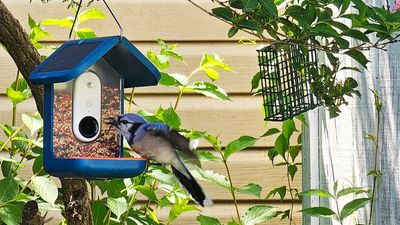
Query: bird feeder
{"x": 84, "y": 83}
{"x": 286, "y": 77}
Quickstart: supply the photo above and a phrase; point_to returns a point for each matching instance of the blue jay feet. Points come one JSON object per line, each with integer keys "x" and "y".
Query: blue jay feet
{"x": 158, "y": 142}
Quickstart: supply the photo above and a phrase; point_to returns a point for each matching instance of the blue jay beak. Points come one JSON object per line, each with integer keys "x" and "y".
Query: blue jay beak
{"x": 111, "y": 121}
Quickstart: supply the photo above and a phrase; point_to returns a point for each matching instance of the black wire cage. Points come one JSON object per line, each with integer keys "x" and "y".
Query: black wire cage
{"x": 286, "y": 77}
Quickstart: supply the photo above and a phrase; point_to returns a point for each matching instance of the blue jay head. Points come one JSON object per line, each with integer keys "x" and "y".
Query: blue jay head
{"x": 126, "y": 124}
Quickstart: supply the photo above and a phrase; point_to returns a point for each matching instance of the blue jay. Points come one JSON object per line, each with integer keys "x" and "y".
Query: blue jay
{"x": 158, "y": 142}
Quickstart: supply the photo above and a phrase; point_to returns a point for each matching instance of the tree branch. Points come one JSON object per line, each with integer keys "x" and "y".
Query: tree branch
{"x": 27, "y": 58}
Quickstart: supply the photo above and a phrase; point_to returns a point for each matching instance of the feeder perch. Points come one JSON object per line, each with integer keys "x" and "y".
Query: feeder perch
{"x": 84, "y": 83}
{"x": 286, "y": 81}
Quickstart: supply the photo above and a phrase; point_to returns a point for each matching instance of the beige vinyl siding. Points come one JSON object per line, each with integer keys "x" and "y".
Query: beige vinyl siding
{"x": 196, "y": 33}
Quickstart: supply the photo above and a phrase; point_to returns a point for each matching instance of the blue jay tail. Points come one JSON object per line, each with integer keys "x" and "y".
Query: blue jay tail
{"x": 191, "y": 186}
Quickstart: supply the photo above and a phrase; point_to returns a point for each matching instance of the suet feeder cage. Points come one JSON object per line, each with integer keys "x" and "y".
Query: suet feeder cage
{"x": 84, "y": 83}
{"x": 286, "y": 79}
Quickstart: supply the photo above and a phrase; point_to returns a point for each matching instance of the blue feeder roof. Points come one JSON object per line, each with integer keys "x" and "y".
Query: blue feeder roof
{"x": 74, "y": 57}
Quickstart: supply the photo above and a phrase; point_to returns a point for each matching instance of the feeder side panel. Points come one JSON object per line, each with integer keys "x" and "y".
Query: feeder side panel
{"x": 65, "y": 144}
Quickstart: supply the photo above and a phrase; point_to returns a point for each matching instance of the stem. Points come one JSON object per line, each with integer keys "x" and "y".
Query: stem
{"x": 130, "y": 206}
{"x": 290, "y": 188}
{"x": 11, "y": 137}
{"x": 232, "y": 190}
{"x": 178, "y": 98}
{"x": 375, "y": 167}
{"x": 92, "y": 190}
{"x": 181, "y": 90}
{"x": 131, "y": 99}
{"x": 153, "y": 187}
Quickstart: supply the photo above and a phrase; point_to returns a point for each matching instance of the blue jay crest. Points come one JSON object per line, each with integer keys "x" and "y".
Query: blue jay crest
{"x": 84, "y": 83}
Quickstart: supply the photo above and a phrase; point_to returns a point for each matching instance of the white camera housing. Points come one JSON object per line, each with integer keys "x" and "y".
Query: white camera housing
{"x": 86, "y": 107}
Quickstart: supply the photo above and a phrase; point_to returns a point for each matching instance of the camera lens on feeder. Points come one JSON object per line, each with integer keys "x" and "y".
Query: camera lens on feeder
{"x": 88, "y": 127}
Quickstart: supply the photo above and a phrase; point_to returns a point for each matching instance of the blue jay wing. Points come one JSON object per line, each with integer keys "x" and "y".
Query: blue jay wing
{"x": 178, "y": 141}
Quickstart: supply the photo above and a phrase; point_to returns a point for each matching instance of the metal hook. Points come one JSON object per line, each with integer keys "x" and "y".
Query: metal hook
{"x": 115, "y": 18}
{"x": 76, "y": 16}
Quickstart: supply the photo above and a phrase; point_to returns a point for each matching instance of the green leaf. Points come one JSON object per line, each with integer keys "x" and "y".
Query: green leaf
{"x": 37, "y": 167}
{"x": 270, "y": 6}
{"x": 211, "y": 176}
{"x": 251, "y": 189}
{"x": 171, "y": 118}
{"x": 321, "y": 212}
{"x": 223, "y": 13}
{"x": 249, "y": 24}
{"x": 9, "y": 169}
{"x": 353, "y": 206}
{"x": 116, "y": 188}
{"x": 209, "y": 156}
{"x": 163, "y": 175}
{"x": 232, "y": 222}
{"x": 147, "y": 191}
{"x": 33, "y": 123}
{"x": 209, "y": 61}
{"x": 317, "y": 192}
{"x": 167, "y": 80}
{"x": 85, "y": 33}
{"x": 45, "y": 188}
{"x": 358, "y": 56}
{"x": 280, "y": 190}
{"x": 19, "y": 144}
{"x": 207, "y": 89}
{"x": 270, "y": 132}
{"x": 255, "y": 81}
{"x": 239, "y": 144}
{"x": 324, "y": 30}
{"x": 292, "y": 169}
{"x": 206, "y": 220}
{"x": 281, "y": 145}
{"x": 90, "y": 14}
{"x": 15, "y": 96}
{"x": 57, "y": 22}
{"x": 9, "y": 189}
{"x": 258, "y": 214}
{"x": 117, "y": 205}
{"x": 31, "y": 21}
{"x": 249, "y": 5}
{"x": 179, "y": 208}
{"x": 356, "y": 34}
{"x": 212, "y": 74}
{"x": 294, "y": 152}
{"x": 288, "y": 127}
{"x": 345, "y": 6}
{"x": 10, "y": 214}
{"x": 232, "y": 32}
{"x": 351, "y": 190}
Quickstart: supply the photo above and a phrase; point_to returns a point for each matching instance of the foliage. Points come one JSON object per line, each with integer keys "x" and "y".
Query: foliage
{"x": 135, "y": 200}
{"x": 334, "y": 27}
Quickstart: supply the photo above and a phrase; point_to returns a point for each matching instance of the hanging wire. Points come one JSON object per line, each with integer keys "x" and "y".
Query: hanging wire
{"x": 76, "y": 16}
{"x": 115, "y": 18}
{"x": 109, "y": 9}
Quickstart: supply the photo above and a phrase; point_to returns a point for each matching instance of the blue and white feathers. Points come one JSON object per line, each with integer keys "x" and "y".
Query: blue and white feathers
{"x": 158, "y": 142}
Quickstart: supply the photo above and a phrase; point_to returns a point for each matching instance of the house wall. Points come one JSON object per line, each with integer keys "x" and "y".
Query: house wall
{"x": 177, "y": 21}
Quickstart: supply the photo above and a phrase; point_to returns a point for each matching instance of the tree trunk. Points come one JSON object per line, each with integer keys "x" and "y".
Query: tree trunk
{"x": 26, "y": 57}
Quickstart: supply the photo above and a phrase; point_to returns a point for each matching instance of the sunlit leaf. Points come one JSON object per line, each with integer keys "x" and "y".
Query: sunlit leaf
{"x": 45, "y": 188}
{"x": 117, "y": 205}
{"x": 90, "y": 14}
{"x": 208, "y": 89}
{"x": 239, "y": 144}
{"x": 258, "y": 214}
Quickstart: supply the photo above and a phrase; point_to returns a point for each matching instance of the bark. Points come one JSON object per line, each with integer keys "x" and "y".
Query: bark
{"x": 26, "y": 57}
